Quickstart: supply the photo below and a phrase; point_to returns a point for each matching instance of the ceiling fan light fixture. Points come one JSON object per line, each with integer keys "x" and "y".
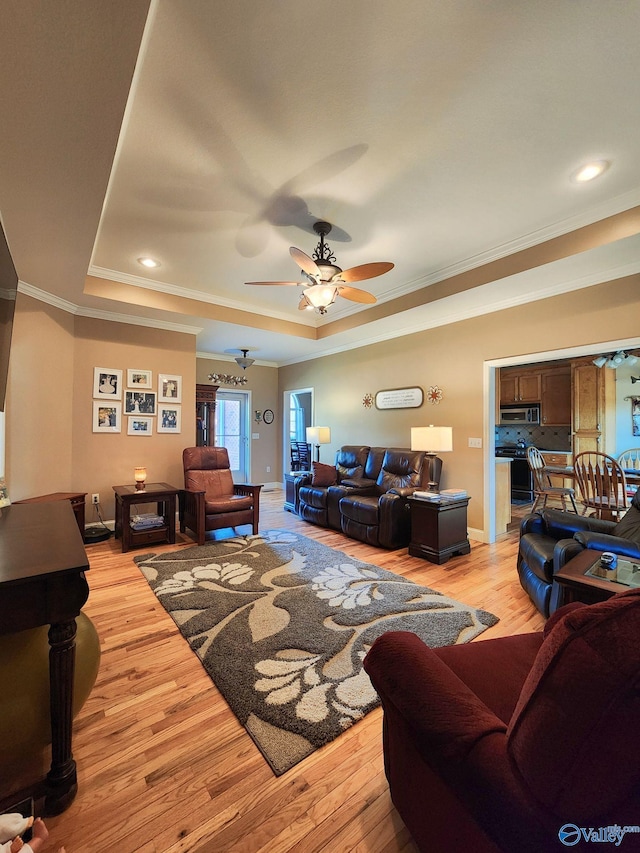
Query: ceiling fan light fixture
{"x": 320, "y": 296}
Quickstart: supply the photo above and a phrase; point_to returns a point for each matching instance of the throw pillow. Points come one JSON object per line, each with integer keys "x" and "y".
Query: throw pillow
{"x": 323, "y": 475}
{"x": 629, "y": 526}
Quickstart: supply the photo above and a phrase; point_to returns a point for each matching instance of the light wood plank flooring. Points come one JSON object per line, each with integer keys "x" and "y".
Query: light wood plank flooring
{"x": 164, "y": 766}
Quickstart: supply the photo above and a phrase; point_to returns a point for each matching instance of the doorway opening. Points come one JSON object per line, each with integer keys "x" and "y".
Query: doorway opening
{"x": 298, "y": 409}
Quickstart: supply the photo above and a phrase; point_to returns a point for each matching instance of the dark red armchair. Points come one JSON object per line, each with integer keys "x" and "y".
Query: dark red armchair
{"x": 498, "y": 744}
{"x": 210, "y": 500}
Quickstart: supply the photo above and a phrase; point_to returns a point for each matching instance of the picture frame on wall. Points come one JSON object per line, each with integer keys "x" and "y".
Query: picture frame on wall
{"x": 169, "y": 388}
{"x": 139, "y": 378}
{"x": 139, "y": 425}
{"x": 107, "y": 383}
{"x": 107, "y": 416}
{"x": 140, "y": 402}
{"x": 169, "y": 418}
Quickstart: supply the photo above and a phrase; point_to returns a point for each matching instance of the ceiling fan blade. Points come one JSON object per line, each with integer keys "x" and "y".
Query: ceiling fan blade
{"x": 304, "y": 261}
{"x": 356, "y": 295}
{"x": 277, "y": 283}
{"x": 366, "y": 271}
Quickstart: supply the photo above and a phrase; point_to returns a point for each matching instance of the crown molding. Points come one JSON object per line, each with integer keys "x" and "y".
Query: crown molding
{"x": 460, "y": 313}
{"x": 619, "y": 204}
{"x": 190, "y": 293}
{"x": 97, "y": 314}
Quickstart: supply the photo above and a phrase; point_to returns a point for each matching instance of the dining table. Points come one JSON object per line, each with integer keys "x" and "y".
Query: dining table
{"x": 632, "y": 477}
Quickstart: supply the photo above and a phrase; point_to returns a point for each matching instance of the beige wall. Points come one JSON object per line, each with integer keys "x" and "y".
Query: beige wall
{"x": 39, "y": 410}
{"x": 50, "y": 442}
{"x": 51, "y": 446}
{"x": 262, "y": 385}
{"x": 453, "y": 357}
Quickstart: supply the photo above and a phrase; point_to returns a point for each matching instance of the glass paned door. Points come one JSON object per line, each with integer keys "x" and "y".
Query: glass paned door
{"x": 232, "y": 431}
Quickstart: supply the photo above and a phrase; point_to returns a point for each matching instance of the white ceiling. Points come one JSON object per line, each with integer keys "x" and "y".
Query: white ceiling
{"x": 438, "y": 136}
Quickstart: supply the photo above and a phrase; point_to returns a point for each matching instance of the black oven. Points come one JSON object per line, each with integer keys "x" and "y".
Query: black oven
{"x": 521, "y": 477}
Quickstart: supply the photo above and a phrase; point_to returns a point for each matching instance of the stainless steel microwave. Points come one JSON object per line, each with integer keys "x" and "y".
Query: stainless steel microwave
{"x": 516, "y": 415}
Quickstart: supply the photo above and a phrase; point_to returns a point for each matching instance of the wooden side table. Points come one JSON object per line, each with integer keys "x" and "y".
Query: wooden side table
{"x": 291, "y": 491}
{"x": 438, "y": 529}
{"x": 75, "y": 498}
{"x": 164, "y": 496}
{"x": 576, "y": 585}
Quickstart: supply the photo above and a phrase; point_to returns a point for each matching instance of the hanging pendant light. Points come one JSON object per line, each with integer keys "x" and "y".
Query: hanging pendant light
{"x": 243, "y": 361}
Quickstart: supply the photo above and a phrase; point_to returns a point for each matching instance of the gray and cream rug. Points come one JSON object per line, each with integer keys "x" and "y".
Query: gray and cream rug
{"x": 282, "y": 623}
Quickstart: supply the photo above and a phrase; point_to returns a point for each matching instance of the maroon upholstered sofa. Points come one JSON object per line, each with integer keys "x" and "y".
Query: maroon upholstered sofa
{"x": 502, "y": 744}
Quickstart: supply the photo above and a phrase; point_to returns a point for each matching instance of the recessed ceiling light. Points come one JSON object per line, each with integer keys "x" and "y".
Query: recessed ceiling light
{"x": 590, "y": 171}
{"x": 148, "y": 262}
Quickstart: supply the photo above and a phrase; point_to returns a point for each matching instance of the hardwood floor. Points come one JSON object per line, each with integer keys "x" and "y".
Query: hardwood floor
{"x": 164, "y": 766}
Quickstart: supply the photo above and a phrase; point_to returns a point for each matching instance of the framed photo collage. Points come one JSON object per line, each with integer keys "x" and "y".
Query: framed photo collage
{"x": 144, "y": 408}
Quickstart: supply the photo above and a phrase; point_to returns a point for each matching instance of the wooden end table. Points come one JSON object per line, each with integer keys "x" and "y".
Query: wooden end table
{"x": 164, "y": 496}
{"x": 576, "y": 585}
{"x": 291, "y": 492}
{"x": 438, "y": 528}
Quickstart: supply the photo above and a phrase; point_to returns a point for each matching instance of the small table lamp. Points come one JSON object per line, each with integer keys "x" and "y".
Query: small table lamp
{"x": 432, "y": 440}
{"x": 318, "y": 435}
{"x": 140, "y": 475}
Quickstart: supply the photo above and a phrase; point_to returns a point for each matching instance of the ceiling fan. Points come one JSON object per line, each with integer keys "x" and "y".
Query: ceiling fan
{"x": 324, "y": 280}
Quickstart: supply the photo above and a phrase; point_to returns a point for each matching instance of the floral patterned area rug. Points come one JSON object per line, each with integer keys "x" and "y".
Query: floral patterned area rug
{"x": 282, "y": 624}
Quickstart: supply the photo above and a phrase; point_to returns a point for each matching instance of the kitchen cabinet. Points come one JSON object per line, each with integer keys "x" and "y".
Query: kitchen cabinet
{"x": 519, "y": 387}
{"x": 555, "y": 398}
{"x": 594, "y": 406}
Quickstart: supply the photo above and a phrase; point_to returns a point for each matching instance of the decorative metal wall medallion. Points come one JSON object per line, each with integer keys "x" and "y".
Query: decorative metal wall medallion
{"x": 367, "y": 401}
{"x": 434, "y": 394}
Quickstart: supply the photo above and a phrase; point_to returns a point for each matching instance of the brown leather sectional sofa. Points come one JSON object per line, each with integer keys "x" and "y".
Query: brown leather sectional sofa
{"x": 368, "y": 501}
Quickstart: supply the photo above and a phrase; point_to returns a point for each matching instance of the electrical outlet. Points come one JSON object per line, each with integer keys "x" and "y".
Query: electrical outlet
{"x": 475, "y": 442}
{"x": 268, "y": 469}
{"x": 95, "y": 499}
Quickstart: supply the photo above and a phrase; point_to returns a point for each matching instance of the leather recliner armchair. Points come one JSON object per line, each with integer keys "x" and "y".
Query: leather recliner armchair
{"x": 550, "y": 538}
{"x": 319, "y": 504}
{"x": 210, "y": 499}
{"x": 380, "y": 515}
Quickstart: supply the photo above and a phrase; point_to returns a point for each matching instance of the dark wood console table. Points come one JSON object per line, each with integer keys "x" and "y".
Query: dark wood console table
{"x": 76, "y": 499}
{"x": 42, "y": 582}
{"x": 438, "y": 529}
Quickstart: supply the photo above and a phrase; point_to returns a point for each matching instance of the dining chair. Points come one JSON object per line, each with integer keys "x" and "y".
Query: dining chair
{"x": 304, "y": 455}
{"x": 602, "y": 484}
{"x": 295, "y": 457}
{"x": 542, "y": 487}
{"x": 629, "y": 461}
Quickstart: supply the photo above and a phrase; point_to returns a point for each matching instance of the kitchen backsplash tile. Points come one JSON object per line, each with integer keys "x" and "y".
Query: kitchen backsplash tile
{"x": 544, "y": 437}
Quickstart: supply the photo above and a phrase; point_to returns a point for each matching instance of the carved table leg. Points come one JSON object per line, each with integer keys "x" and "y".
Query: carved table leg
{"x": 61, "y": 782}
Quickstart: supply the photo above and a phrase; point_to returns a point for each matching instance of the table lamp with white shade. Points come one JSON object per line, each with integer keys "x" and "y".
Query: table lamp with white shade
{"x": 433, "y": 440}
{"x": 318, "y": 435}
